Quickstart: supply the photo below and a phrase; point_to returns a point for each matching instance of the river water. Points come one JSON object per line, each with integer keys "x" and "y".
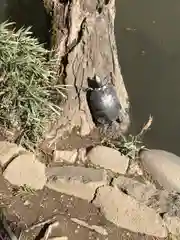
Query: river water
{"x": 27, "y": 13}
{"x": 148, "y": 41}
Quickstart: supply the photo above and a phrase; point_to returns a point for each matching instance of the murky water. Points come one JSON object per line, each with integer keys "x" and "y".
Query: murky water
{"x": 27, "y": 13}
{"x": 148, "y": 39}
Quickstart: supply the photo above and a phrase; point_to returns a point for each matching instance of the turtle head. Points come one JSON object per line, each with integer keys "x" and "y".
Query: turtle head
{"x": 98, "y": 81}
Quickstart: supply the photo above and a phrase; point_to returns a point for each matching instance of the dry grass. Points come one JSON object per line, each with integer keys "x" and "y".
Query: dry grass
{"x": 130, "y": 145}
{"x": 29, "y": 90}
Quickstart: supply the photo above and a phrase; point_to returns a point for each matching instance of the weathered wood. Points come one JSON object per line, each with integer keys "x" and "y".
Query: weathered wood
{"x": 85, "y": 43}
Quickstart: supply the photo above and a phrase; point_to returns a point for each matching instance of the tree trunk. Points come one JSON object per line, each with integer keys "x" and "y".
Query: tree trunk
{"x": 83, "y": 38}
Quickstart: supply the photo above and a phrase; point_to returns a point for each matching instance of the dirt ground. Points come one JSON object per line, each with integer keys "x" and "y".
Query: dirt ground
{"x": 25, "y": 209}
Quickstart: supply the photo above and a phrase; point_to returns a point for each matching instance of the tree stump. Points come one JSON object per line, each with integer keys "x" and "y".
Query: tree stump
{"x": 84, "y": 41}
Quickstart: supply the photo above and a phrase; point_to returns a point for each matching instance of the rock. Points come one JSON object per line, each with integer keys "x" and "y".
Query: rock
{"x": 108, "y": 158}
{"x": 163, "y": 202}
{"x": 65, "y": 156}
{"x": 78, "y": 181}
{"x": 95, "y": 228}
{"x": 160, "y": 201}
{"x": 25, "y": 169}
{"x": 126, "y": 212}
{"x": 164, "y": 167}
{"x": 141, "y": 192}
{"x": 8, "y": 151}
{"x": 170, "y": 202}
{"x": 172, "y": 223}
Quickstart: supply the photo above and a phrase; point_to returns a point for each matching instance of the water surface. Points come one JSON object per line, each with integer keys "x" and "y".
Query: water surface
{"x": 148, "y": 40}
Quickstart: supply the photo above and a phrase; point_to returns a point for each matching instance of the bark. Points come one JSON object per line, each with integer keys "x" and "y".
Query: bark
{"x": 84, "y": 41}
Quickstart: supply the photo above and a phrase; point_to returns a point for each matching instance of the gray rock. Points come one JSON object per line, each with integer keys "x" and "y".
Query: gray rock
{"x": 141, "y": 192}
{"x": 126, "y": 212}
{"x": 25, "y": 169}
{"x": 169, "y": 202}
{"x": 172, "y": 223}
{"x": 77, "y": 181}
{"x": 108, "y": 158}
{"x": 65, "y": 156}
{"x": 8, "y": 151}
{"x": 163, "y": 166}
{"x": 163, "y": 201}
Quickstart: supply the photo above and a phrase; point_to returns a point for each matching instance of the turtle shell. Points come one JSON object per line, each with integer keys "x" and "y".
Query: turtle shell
{"x": 104, "y": 104}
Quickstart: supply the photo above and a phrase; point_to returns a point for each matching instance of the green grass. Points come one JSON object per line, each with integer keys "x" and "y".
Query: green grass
{"x": 29, "y": 89}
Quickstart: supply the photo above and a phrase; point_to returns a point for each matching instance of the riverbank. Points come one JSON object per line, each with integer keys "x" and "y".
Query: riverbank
{"x": 94, "y": 192}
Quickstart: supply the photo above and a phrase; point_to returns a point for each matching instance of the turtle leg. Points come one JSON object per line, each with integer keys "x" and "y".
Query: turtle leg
{"x": 122, "y": 122}
{"x": 120, "y": 117}
{"x": 86, "y": 89}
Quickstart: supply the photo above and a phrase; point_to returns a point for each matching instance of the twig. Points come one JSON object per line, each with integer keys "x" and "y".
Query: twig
{"x": 49, "y": 230}
{"x": 40, "y": 224}
{"x": 146, "y": 126}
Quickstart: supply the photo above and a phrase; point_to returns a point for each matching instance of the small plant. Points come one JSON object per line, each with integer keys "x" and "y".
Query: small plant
{"x": 23, "y": 190}
{"x": 29, "y": 90}
{"x": 130, "y": 145}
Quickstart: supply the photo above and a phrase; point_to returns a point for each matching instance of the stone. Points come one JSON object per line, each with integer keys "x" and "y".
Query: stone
{"x": 125, "y": 212}
{"x": 8, "y": 151}
{"x": 95, "y": 228}
{"x": 141, "y": 192}
{"x": 163, "y": 202}
{"x": 172, "y": 223}
{"x": 77, "y": 181}
{"x": 163, "y": 166}
{"x": 65, "y": 156}
{"x": 26, "y": 170}
{"x": 108, "y": 158}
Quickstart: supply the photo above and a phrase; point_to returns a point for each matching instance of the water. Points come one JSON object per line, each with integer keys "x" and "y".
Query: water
{"x": 149, "y": 54}
{"x": 27, "y": 13}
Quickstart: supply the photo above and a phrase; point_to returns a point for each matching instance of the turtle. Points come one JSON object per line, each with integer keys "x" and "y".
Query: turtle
{"x": 103, "y": 102}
